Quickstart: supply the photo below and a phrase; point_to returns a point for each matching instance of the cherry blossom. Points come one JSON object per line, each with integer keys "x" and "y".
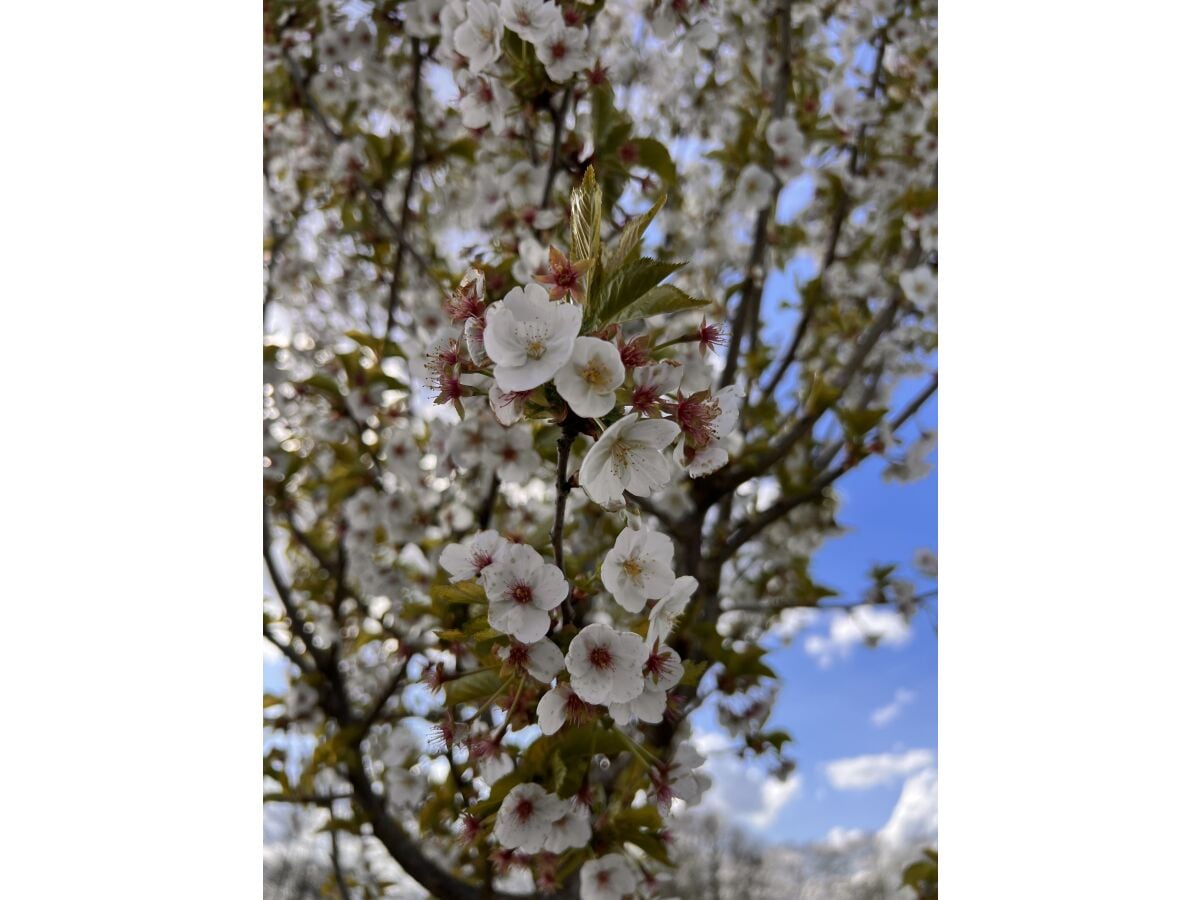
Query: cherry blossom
{"x": 526, "y": 817}
{"x": 542, "y": 659}
{"x": 754, "y": 189}
{"x": 530, "y": 337}
{"x": 706, "y": 423}
{"x": 572, "y": 829}
{"x": 563, "y": 51}
{"x": 468, "y": 560}
{"x": 478, "y": 38}
{"x": 589, "y": 379}
{"x": 628, "y": 457}
{"x": 608, "y": 878}
{"x": 530, "y": 20}
{"x": 521, "y": 589}
{"x": 559, "y": 706}
{"x": 638, "y": 568}
{"x": 666, "y": 612}
{"x": 605, "y": 664}
{"x": 920, "y": 286}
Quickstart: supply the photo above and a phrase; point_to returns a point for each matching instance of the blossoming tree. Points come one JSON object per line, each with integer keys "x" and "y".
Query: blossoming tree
{"x": 536, "y": 488}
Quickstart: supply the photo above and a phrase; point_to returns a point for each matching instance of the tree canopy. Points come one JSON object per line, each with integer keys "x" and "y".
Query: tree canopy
{"x": 575, "y": 315}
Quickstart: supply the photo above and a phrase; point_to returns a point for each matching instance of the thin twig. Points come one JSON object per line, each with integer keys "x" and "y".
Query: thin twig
{"x": 414, "y": 166}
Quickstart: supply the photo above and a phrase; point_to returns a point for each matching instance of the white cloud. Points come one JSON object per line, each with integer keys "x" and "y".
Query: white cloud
{"x": 886, "y": 714}
{"x": 792, "y": 621}
{"x": 914, "y": 819}
{"x": 840, "y": 838}
{"x": 774, "y": 796}
{"x": 849, "y": 629}
{"x": 742, "y": 791}
{"x": 858, "y": 773}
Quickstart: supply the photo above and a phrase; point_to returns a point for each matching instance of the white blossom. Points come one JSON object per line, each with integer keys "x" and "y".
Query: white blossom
{"x": 563, "y": 51}
{"x": 683, "y": 777}
{"x": 572, "y": 829}
{"x": 530, "y": 20}
{"x": 555, "y": 707}
{"x": 468, "y": 560}
{"x": 638, "y": 568}
{"x": 628, "y": 457}
{"x": 542, "y": 659}
{"x": 529, "y": 337}
{"x": 521, "y": 589}
{"x": 920, "y": 287}
{"x": 754, "y": 189}
{"x": 589, "y": 379}
{"x": 485, "y": 101}
{"x": 706, "y": 459}
{"x": 666, "y": 612}
{"x": 478, "y": 38}
{"x": 608, "y": 878}
{"x": 526, "y": 817}
{"x": 605, "y": 664}
{"x": 508, "y": 406}
{"x": 514, "y": 449}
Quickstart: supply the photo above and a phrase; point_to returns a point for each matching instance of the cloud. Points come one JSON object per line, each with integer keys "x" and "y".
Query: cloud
{"x": 886, "y": 714}
{"x": 840, "y": 838}
{"x": 914, "y": 819}
{"x": 848, "y": 630}
{"x": 859, "y": 773}
{"x": 774, "y": 796}
{"x": 742, "y": 791}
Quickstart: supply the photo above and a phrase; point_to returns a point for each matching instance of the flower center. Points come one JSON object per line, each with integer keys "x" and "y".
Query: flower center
{"x": 620, "y": 451}
{"x": 524, "y": 810}
{"x": 535, "y": 349}
{"x": 632, "y": 567}
{"x": 481, "y": 560}
{"x": 600, "y": 658}
{"x": 595, "y": 373}
{"x": 521, "y": 593}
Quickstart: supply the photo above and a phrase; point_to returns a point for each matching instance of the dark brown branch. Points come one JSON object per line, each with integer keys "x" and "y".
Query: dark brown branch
{"x": 753, "y": 285}
{"x": 414, "y": 166}
{"x": 385, "y": 695}
{"x": 804, "y": 425}
{"x": 841, "y": 210}
{"x": 405, "y": 850}
{"x": 488, "y": 507}
{"x": 365, "y": 186}
{"x": 562, "y": 491}
{"x": 283, "y": 590}
{"x": 816, "y": 490}
{"x": 560, "y": 116}
{"x": 336, "y": 859}
{"x": 287, "y": 649}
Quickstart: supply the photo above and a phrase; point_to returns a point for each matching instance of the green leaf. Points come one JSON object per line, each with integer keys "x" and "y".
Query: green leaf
{"x": 693, "y": 672}
{"x": 624, "y": 286}
{"x": 652, "y": 845}
{"x": 462, "y": 592}
{"x": 858, "y": 422}
{"x": 665, "y": 298}
{"x": 585, "y": 218}
{"x": 475, "y": 686}
{"x": 654, "y": 156}
{"x": 630, "y": 239}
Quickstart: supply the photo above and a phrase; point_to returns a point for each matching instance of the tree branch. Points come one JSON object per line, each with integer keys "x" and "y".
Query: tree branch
{"x": 414, "y": 166}
{"x": 752, "y": 291}
{"x": 839, "y": 217}
{"x": 366, "y": 187}
{"x": 752, "y": 526}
